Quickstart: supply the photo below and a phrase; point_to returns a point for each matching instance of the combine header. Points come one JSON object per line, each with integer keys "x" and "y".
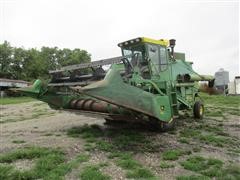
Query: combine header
{"x": 149, "y": 82}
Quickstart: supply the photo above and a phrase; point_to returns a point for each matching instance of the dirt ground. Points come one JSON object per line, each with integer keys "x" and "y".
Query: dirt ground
{"x": 47, "y": 129}
{"x": 35, "y": 124}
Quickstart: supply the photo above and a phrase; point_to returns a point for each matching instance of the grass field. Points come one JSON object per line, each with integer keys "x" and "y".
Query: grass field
{"x": 15, "y": 100}
{"x": 59, "y": 145}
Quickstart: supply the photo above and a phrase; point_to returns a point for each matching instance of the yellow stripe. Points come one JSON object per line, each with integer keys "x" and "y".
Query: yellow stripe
{"x": 162, "y": 42}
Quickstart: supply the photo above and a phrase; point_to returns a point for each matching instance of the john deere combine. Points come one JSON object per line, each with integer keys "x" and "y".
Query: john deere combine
{"x": 149, "y": 82}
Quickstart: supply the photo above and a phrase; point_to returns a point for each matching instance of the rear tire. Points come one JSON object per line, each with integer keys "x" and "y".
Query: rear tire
{"x": 198, "y": 110}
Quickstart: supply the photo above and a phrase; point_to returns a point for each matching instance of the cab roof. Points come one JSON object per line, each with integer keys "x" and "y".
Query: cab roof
{"x": 130, "y": 42}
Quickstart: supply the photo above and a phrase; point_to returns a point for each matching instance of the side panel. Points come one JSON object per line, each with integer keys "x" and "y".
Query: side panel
{"x": 113, "y": 90}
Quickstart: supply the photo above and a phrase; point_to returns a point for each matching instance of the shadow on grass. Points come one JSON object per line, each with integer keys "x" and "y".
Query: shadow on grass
{"x": 114, "y": 139}
{"x": 120, "y": 144}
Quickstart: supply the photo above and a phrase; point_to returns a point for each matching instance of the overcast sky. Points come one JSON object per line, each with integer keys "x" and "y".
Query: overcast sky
{"x": 207, "y": 31}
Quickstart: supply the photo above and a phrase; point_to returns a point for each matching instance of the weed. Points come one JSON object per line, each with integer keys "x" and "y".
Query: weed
{"x": 165, "y": 165}
{"x": 123, "y": 155}
{"x": 209, "y": 167}
{"x": 91, "y": 139}
{"x": 82, "y": 158}
{"x": 128, "y": 163}
{"x": 50, "y": 164}
{"x": 93, "y": 173}
{"x": 219, "y": 141}
{"x": 140, "y": 173}
{"x": 188, "y": 133}
{"x": 198, "y": 163}
{"x": 212, "y": 172}
{"x": 47, "y": 160}
{"x": 85, "y": 131}
{"x": 119, "y": 154}
{"x": 64, "y": 168}
{"x": 171, "y": 154}
{"x": 5, "y": 171}
{"x": 27, "y": 153}
{"x": 89, "y": 147}
{"x": 104, "y": 164}
{"x": 212, "y": 135}
{"x": 104, "y": 146}
{"x": 135, "y": 169}
{"x": 231, "y": 172}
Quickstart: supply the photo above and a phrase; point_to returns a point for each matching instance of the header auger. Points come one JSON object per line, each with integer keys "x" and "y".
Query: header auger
{"x": 149, "y": 82}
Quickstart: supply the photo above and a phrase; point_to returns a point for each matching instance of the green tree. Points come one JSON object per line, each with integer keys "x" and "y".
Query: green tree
{"x": 6, "y": 52}
{"x": 19, "y": 56}
{"x": 30, "y": 64}
{"x": 70, "y": 57}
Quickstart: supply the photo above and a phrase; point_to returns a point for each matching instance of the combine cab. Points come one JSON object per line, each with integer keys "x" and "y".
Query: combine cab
{"x": 149, "y": 82}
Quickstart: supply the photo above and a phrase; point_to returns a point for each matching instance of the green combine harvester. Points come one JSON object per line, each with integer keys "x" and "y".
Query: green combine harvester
{"x": 149, "y": 82}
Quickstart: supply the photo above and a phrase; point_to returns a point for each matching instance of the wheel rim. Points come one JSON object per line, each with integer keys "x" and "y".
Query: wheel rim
{"x": 201, "y": 110}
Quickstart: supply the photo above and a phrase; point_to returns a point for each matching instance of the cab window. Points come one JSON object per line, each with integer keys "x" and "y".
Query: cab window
{"x": 163, "y": 58}
{"x": 135, "y": 54}
{"x": 153, "y": 53}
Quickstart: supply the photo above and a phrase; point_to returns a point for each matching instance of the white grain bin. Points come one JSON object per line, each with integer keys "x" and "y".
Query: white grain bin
{"x": 221, "y": 79}
{"x": 234, "y": 86}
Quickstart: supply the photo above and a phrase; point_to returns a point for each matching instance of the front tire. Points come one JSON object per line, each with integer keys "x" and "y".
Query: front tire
{"x": 198, "y": 110}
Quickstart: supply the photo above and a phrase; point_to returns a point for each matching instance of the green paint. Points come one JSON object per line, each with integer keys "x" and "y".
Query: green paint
{"x": 156, "y": 85}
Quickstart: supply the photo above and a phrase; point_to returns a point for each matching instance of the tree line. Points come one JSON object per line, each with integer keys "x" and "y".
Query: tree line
{"x": 30, "y": 64}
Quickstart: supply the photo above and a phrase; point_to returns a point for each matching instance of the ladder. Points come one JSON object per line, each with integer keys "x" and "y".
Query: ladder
{"x": 174, "y": 101}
